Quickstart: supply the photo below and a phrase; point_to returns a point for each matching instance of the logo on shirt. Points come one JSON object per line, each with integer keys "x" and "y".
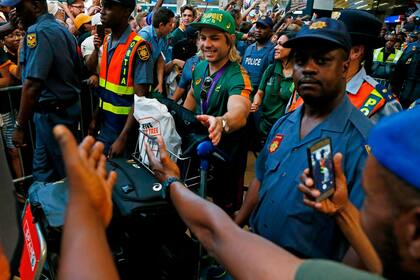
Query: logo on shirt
{"x": 197, "y": 82}
{"x": 253, "y": 61}
{"x": 275, "y": 144}
{"x": 143, "y": 52}
{"x": 31, "y": 40}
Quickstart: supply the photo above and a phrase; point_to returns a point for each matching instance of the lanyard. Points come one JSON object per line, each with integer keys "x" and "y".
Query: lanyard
{"x": 205, "y": 104}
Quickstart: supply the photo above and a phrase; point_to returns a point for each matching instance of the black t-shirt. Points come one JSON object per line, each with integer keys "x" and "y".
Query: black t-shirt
{"x": 5, "y": 59}
{"x": 184, "y": 49}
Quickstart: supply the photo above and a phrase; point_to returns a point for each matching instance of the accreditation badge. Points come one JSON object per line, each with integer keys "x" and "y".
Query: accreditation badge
{"x": 143, "y": 52}
{"x": 275, "y": 144}
{"x": 31, "y": 40}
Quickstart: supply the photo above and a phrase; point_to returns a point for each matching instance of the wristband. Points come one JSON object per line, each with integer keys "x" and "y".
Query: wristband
{"x": 166, "y": 184}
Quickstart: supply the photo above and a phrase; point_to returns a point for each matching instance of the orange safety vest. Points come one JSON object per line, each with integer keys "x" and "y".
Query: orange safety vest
{"x": 368, "y": 99}
{"x": 116, "y": 79}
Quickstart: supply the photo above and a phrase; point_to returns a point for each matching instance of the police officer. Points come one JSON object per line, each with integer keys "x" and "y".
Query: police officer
{"x": 220, "y": 94}
{"x": 384, "y": 62}
{"x": 372, "y": 99}
{"x": 260, "y": 54}
{"x": 320, "y": 68}
{"x": 406, "y": 80}
{"x": 275, "y": 88}
{"x": 126, "y": 68}
{"x": 51, "y": 85}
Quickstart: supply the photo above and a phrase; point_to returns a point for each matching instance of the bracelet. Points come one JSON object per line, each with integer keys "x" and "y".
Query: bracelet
{"x": 166, "y": 184}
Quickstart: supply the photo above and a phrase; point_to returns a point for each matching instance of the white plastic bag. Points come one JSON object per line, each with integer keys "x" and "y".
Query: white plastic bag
{"x": 154, "y": 119}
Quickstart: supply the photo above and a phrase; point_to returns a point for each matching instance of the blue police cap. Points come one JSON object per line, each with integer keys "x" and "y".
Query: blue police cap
{"x": 363, "y": 27}
{"x": 323, "y": 29}
{"x": 9, "y": 3}
{"x": 395, "y": 144}
{"x": 265, "y": 21}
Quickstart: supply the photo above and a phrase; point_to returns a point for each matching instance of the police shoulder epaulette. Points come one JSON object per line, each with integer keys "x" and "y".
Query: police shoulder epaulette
{"x": 387, "y": 95}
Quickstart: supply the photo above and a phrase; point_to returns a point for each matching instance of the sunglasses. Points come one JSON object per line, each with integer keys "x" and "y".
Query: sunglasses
{"x": 205, "y": 87}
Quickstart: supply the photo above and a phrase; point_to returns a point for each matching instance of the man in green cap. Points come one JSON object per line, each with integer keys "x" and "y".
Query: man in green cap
{"x": 220, "y": 95}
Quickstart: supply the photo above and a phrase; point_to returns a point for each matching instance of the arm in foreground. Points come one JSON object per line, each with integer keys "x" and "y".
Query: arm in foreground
{"x": 89, "y": 210}
{"x": 346, "y": 214}
{"x": 245, "y": 255}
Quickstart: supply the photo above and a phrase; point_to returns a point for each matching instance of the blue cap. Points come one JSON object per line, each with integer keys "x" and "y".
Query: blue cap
{"x": 266, "y": 21}
{"x": 395, "y": 144}
{"x": 9, "y": 3}
{"x": 323, "y": 29}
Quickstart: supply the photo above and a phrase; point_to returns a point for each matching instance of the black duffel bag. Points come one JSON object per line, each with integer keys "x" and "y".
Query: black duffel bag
{"x": 137, "y": 192}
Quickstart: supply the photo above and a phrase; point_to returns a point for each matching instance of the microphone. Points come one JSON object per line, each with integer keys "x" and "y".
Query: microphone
{"x": 206, "y": 149}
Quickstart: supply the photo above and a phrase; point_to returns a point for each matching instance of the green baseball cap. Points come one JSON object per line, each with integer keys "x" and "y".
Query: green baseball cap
{"x": 217, "y": 19}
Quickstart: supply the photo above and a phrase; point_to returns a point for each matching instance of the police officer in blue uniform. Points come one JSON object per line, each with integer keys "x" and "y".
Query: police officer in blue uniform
{"x": 321, "y": 64}
{"x": 406, "y": 79}
{"x": 260, "y": 54}
{"x": 51, "y": 85}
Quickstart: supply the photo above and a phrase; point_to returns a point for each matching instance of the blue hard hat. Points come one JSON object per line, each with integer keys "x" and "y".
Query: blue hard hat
{"x": 394, "y": 143}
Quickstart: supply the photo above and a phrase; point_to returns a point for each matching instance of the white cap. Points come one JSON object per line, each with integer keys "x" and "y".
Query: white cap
{"x": 53, "y": 8}
{"x": 96, "y": 19}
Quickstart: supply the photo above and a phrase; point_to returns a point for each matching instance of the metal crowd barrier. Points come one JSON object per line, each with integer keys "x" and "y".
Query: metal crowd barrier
{"x": 87, "y": 102}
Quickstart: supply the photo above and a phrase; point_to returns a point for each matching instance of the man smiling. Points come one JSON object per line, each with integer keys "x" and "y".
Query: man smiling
{"x": 220, "y": 93}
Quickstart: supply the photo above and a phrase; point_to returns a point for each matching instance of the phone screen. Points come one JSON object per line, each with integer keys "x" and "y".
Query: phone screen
{"x": 320, "y": 157}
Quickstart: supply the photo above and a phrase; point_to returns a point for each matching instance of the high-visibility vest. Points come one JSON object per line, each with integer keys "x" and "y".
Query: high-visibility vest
{"x": 368, "y": 99}
{"x": 378, "y": 56}
{"x": 116, "y": 85}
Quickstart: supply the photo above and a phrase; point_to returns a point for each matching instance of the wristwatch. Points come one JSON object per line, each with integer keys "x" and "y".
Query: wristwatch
{"x": 18, "y": 125}
{"x": 225, "y": 127}
{"x": 166, "y": 184}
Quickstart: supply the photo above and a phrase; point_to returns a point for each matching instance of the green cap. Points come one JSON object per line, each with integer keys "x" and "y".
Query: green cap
{"x": 217, "y": 19}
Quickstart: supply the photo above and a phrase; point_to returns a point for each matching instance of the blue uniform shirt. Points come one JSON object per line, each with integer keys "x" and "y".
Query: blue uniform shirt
{"x": 50, "y": 54}
{"x": 186, "y": 77}
{"x": 159, "y": 45}
{"x": 143, "y": 70}
{"x": 280, "y": 215}
{"x": 256, "y": 61}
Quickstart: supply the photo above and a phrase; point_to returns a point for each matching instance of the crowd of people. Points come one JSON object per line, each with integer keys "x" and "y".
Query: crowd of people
{"x": 262, "y": 81}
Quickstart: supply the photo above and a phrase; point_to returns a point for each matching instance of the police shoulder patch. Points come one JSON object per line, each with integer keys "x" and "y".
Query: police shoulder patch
{"x": 143, "y": 51}
{"x": 31, "y": 40}
{"x": 275, "y": 144}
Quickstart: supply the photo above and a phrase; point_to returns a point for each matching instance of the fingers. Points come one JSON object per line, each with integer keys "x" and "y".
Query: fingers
{"x": 153, "y": 161}
{"x": 86, "y": 146}
{"x": 310, "y": 192}
{"x": 338, "y": 169}
{"x": 67, "y": 144}
{"x": 162, "y": 149}
{"x": 96, "y": 154}
{"x": 204, "y": 119}
{"x": 340, "y": 178}
{"x": 313, "y": 204}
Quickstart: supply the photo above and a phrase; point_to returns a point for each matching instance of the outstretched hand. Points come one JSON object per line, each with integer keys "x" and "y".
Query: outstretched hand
{"x": 214, "y": 125}
{"x": 163, "y": 167}
{"x": 85, "y": 167}
{"x": 337, "y": 201}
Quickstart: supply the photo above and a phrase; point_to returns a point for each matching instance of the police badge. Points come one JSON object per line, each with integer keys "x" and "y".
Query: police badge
{"x": 31, "y": 40}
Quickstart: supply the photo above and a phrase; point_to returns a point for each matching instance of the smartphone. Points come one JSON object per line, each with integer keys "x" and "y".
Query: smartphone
{"x": 320, "y": 159}
{"x": 100, "y": 30}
